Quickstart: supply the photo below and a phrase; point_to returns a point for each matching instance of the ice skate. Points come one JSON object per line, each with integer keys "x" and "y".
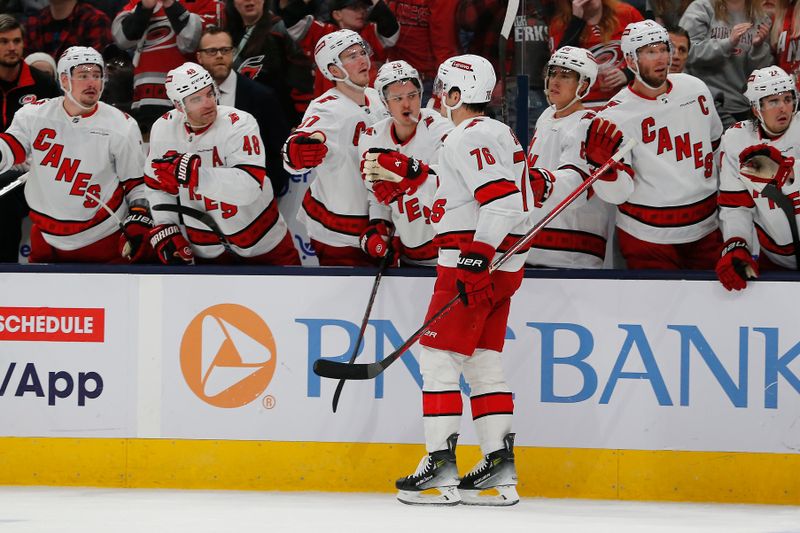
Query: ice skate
{"x": 435, "y": 481}
{"x": 493, "y": 480}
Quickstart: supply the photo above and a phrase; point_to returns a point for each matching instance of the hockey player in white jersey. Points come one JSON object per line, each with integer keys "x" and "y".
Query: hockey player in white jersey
{"x": 81, "y": 150}
{"x": 667, "y": 211}
{"x": 577, "y": 237}
{"x": 750, "y": 220}
{"x": 335, "y": 210}
{"x": 410, "y": 137}
{"x": 481, "y": 207}
{"x": 211, "y": 158}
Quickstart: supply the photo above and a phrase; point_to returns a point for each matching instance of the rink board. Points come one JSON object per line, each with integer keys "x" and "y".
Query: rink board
{"x": 632, "y": 389}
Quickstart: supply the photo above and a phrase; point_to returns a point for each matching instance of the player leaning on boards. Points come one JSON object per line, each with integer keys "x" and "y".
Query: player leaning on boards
{"x": 409, "y": 140}
{"x": 481, "y": 207}
{"x": 211, "y": 158}
{"x": 666, "y": 211}
{"x": 577, "y": 237}
{"x": 335, "y": 210}
{"x": 80, "y": 150}
{"x": 748, "y": 218}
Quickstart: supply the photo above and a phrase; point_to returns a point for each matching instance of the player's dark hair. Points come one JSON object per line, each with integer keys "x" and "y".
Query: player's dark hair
{"x": 475, "y": 108}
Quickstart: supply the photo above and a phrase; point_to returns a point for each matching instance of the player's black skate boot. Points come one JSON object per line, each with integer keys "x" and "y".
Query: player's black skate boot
{"x": 495, "y": 471}
{"x": 435, "y": 481}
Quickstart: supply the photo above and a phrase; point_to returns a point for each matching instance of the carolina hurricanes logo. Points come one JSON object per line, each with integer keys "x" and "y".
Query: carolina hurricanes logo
{"x": 251, "y": 67}
{"x": 27, "y": 99}
{"x": 608, "y": 55}
{"x": 159, "y": 34}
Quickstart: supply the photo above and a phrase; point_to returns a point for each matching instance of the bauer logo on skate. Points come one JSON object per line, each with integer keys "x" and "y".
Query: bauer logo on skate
{"x": 52, "y": 324}
{"x": 227, "y": 355}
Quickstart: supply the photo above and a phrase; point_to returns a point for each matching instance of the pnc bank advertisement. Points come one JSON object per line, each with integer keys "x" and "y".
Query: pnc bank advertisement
{"x": 620, "y": 364}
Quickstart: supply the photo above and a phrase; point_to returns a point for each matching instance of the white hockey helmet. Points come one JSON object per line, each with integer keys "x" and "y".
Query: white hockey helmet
{"x": 765, "y": 82}
{"x": 578, "y": 60}
{"x": 642, "y": 33}
{"x": 185, "y": 80}
{"x": 73, "y": 57}
{"x": 393, "y": 71}
{"x": 472, "y": 75}
{"x": 331, "y": 46}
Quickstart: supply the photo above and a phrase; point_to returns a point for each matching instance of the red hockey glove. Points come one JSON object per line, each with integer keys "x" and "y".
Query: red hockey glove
{"x": 378, "y": 240}
{"x": 736, "y": 265}
{"x": 541, "y": 184}
{"x": 380, "y": 164}
{"x": 603, "y": 139}
{"x": 170, "y": 245}
{"x": 305, "y": 150}
{"x": 473, "y": 281}
{"x": 386, "y": 192}
{"x": 133, "y": 245}
{"x": 174, "y": 170}
{"x": 763, "y": 163}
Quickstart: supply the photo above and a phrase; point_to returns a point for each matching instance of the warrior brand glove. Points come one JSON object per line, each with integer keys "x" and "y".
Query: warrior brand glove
{"x": 174, "y": 170}
{"x": 736, "y": 265}
{"x": 170, "y": 245}
{"x": 305, "y": 150}
{"x": 764, "y": 164}
{"x": 136, "y": 226}
{"x": 378, "y": 240}
{"x": 603, "y": 139}
{"x": 473, "y": 280}
{"x": 541, "y": 184}
{"x": 380, "y": 164}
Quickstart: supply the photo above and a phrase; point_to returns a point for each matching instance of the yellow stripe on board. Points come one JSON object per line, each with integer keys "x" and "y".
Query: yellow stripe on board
{"x": 356, "y": 467}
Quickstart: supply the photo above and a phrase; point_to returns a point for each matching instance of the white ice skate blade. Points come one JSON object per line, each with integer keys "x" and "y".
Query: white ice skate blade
{"x": 506, "y": 495}
{"x": 445, "y": 496}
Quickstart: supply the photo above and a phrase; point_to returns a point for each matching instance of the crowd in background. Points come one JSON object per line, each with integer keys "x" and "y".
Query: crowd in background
{"x": 272, "y": 45}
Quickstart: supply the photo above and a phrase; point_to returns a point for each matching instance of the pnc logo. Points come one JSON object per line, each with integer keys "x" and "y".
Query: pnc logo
{"x": 227, "y": 355}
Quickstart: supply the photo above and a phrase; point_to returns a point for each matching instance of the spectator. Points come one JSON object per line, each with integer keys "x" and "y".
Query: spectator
{"x": 66, "y": 23}
{"x": 785, "y": 38}
{"x": 667, "y": 198}
{"x": 162, "y": 35}
{"x": 43, "y": 62}
{"x": 729, "y": 40}
{"x": 209, "y": 157}
{"x": 429, "y": 36}
{"x": 747, "y": 213}
{"x": 335, "y": 209}
{"x": 596, "y": 25}
{"x": 19, "y": 84}
{"x": 265, "y": 52}
{"x": 527, "y": 54}
{"x": 680, "y": 48}
{"x": 215, "y": 54}
{"x": 82, "y": 152}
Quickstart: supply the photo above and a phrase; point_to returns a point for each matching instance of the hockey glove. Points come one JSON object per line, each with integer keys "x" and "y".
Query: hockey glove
{"x": 378, "y": 240}
{"x": 386, "y": 192}
{"x": 764, "y": 164}
{"x": 603, "y": 139}
{"x": 174, "y": 170}
{"x": 170, "y": 245}
{"x": 736, "y": 265}
{"x": 541, "y": 184}
{"x": 305, "y": 150}
{"x": 380, "y": 164}
{"x": 473, "y": 280}
{"x": 133, "y": 245}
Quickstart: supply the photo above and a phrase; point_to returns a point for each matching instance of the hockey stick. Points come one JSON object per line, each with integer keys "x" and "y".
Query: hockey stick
{"x": 771, "y": 192}
{"x": 200, "y": 216}
{"x": 336, "y": 370}
{"x": 385, "y": 262}
{"x": 127, "y": 249}
{"x": 14, "y": 184}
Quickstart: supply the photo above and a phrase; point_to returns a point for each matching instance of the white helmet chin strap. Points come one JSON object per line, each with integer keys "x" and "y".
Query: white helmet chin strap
{"x": 450, "y": 109}
{"x": 347, "y": 81}
{"x": 639, "y": 76}
{"x": 763, "y": 124}
{"x": 68, "y": 95}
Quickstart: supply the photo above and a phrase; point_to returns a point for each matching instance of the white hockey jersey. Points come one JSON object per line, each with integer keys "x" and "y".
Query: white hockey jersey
{"x": 232, "y": 185}
{"x": 483, "y": 193}
{"x": 335, "y": 208}
{"x": 99, "y": 153}
{"x": 411, "y": 213}
{"x": 672, "y": 197}
{"x": 577, "y": 237}
{"x": 743, "y": 211}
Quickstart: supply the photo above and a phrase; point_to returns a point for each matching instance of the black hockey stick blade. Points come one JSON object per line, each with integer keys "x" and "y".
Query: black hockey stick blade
{"x": 771, "y": 192}
{"x": 202, "y": 217}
